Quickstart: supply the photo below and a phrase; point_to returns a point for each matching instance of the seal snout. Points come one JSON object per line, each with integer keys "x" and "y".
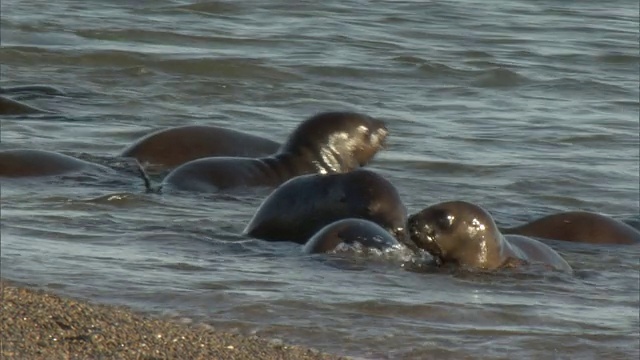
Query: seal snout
{"x": 379, "y": 135}
{"x": 401, "y": 234}
{"x": 419, "y": 230}
{"x": 413, "y": 226}
{"x": 423, "y": 233}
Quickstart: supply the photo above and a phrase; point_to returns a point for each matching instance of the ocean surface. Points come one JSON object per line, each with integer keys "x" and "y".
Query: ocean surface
{"x": 524, "y": 107}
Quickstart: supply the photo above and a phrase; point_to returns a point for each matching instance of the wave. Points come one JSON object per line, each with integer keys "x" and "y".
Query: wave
{"x": 581, "y": 86}
{"x": 613, "y": 58}
{"x": 500, "y": 78}
{"x": 204, "y": 7}
{"x": 177, "y": 36}
{"x": 198, "y": 62}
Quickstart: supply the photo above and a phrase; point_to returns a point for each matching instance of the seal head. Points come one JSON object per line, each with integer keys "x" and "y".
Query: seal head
{"x": 350, "y": 233}
{"x": 337, "y": 141}
{"x": 457, "y": 232}
{"x": 302, "y": 206}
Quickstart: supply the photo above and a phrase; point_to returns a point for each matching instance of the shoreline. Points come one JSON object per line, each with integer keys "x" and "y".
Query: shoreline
{"x": 38, "y": 324}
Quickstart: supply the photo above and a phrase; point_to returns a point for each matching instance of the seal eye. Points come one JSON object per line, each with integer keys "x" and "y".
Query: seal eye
{"x": 443, "y": 220}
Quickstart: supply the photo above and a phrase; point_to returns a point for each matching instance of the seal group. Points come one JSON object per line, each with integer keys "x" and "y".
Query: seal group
{"x": 319, "y": 195}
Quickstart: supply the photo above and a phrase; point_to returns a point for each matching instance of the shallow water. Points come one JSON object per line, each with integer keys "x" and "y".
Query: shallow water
{"x": 525, "y": 107}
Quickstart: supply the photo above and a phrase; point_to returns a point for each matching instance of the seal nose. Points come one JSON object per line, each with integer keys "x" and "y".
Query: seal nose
{"x": 404, "y": 238}
{"x": 419, "y": 231}
{"x": 380, "y": 135}
{"x": 382, "y": 130}
{"x": 412, "y": 224}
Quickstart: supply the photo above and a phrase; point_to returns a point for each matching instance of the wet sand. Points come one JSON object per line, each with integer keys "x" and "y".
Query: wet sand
{"x": 40, "y": 325}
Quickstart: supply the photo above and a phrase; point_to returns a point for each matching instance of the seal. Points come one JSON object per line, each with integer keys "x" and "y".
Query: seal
{"x": 329, "y": 142}
{"x": 168, "y": 148}
{"x": 14, "y": 107}
{"x": 350, "y": 234}
{"x": 465, "y": 234}
{"x": 302, "y": 206}
{"x": 30, "y": 163}
{"x": 579, "y": 226}
{"x": 23, "y": 163}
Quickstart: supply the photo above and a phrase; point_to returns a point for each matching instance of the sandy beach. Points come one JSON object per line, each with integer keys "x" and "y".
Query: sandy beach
{"x": 39, "y": 325}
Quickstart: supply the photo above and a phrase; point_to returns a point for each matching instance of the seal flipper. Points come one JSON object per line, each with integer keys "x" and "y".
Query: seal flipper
{"x": 149, "y": 187}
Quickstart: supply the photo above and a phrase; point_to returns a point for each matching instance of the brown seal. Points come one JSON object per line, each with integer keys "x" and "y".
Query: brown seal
{"x": 465, "y": 234}
{"x": 330, "y": 142}
{"x": 350, "y": 234}
{"x": 168, "y": 148}
{"x": 299, "y": 208}
{"x": 579, "y": 226}
{"x": 14, "y": 107}
{"x": 28, "y": 162}
{"x": 24, "y": 163}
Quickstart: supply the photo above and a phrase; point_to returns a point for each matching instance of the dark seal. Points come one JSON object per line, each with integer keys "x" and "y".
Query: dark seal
{"x": 302, "y": 206}
{"x": 330, "y": 142}
{"x": 31, "y": 163}
{"x": 350, "y": 234}
{"x": 579, "y": 226}
{"x": 168, "y": 148}
{"x": 465, "y": 234}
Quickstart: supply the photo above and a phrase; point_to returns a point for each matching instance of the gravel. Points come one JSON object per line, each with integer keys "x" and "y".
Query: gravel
{"x": 39, "y": 325}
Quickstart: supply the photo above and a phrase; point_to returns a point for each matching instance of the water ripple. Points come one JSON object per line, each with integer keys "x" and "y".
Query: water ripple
{"x": 525, "y": 107}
